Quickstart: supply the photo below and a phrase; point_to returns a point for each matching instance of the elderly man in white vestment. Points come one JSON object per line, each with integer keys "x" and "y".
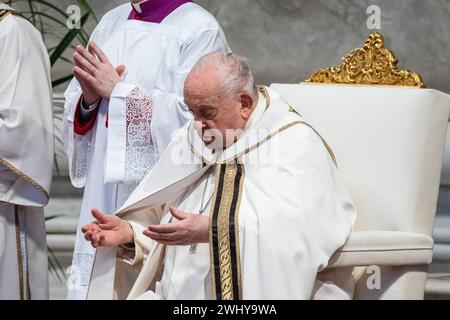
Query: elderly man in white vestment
{"x": 246, "y": 203}
{"x": 125, "y": 104}
{"x": 26, "y": 157}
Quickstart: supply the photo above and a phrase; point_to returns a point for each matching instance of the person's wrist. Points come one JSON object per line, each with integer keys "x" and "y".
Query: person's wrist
{"x": 112, "y": 89}
{"x": 89, "y": 100}
{"x": 128, "y": 234}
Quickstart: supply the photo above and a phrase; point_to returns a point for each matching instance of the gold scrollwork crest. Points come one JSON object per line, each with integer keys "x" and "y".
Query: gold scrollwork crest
{"x": 371, "y": 65}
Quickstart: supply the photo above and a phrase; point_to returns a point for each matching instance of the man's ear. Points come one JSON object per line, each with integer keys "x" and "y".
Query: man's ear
{"x": 246, "y": 105}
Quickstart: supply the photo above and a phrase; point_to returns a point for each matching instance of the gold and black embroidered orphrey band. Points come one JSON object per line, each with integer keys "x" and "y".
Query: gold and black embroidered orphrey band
{"x": 224, "y": 232}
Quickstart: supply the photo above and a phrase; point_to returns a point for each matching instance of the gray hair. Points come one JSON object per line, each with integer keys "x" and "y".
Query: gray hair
{"x": 234, "y": 72}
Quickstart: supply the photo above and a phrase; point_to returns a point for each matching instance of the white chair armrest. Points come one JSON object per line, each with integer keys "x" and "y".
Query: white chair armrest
{"x": 383, "y": 248}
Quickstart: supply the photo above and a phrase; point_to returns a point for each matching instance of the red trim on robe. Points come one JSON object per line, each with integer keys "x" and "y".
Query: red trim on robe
{"x": 83, "y": 127}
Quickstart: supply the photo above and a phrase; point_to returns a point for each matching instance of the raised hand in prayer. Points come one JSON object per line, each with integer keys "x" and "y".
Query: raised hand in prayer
{"x": 94, "y": 72}
{"x": 187, "y": 230}
{"x": 107, "y": 231}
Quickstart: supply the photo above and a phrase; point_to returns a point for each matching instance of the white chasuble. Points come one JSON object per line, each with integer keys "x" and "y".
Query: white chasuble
{"x": 26, "y": 157}
{"x": 278, "y": 212}
{"x": 133, "y": 127}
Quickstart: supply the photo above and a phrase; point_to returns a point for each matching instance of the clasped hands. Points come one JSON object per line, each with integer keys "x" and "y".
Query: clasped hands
{"x": 113, "y": 231}
{"x": 96, "y": 75}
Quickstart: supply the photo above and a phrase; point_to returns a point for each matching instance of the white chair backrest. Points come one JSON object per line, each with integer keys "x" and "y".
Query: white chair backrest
{"x": 389, "y": 144}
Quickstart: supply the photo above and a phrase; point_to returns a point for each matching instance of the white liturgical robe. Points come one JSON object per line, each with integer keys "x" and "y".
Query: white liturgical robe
{"x": 26, "y": 157}
{"x": 136, "y": 124}
{"x": 278, "y": 210}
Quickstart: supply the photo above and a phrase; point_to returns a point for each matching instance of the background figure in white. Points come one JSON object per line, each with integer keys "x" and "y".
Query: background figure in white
{"x": 26, "y": 157}
{"x": 125, "y": 104}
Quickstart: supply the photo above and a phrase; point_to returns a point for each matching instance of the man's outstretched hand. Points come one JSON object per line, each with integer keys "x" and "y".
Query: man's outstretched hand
{"x": 107, "y": 231}
{"x": 189, "y": 229}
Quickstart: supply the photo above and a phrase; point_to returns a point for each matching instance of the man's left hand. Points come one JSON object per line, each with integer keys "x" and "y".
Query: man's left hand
{"x": 189, "y": 229}
{"x": 93, "y": 67}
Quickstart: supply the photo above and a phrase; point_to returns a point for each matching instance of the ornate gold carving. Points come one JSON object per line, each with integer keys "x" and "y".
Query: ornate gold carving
{"x": 371, "y": 65}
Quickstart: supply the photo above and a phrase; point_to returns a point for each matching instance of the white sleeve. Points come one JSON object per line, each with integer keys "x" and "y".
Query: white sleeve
{"x": 142, "y": 120}
{"x": 87, "y": 111}
{"x": 139, "y": 221}
{"x": 77, "y": 146}
{"x": 141, "y": 246}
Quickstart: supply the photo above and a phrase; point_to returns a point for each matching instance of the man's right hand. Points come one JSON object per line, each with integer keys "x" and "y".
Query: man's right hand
{"x": 85, "y": 60}
{"x": 89, "y": 94}
{"x": 107, "y": 230}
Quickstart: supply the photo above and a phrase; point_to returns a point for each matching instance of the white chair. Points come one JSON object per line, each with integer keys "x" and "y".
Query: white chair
{"x": 388, "y": 134}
